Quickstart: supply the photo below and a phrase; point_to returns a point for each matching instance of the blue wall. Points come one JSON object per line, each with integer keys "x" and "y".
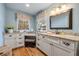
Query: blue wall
{"x": 10, "y": 18}
{"x": 2, "y": 17}
{"x": 75, "y": 18}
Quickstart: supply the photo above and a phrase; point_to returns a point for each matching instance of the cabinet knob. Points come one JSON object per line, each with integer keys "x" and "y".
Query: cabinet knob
{"x": 51, "y": 44}
{"x": 20, "y": 38}
{"x": 38, "y": 44}
{"x": 43, "y": 36}
{"x": 19, "y": 34}
{"x": 20, "y": 42}
{"x": 10, "y": 35}
{"x": 38, "y": 35}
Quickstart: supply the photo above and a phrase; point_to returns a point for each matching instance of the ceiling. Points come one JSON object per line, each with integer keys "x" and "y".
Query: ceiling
{"x": 33, "y": 9}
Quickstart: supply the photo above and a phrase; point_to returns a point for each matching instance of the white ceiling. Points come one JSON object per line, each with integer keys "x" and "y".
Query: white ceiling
{"x": 33, "y": 9}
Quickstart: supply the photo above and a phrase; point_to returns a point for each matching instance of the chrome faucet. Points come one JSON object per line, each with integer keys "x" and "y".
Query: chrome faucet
{"x": 57, "y": 32}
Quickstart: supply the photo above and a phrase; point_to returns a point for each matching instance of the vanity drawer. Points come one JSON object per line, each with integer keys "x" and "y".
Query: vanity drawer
{"x": 18, "y": 44}
{"x": 9, "y": 36}
{"x": 20, "y": 38}
{"x": 67, "y": 43}
{"x": 54, "y": 39}
{"x": 19, "y": 35}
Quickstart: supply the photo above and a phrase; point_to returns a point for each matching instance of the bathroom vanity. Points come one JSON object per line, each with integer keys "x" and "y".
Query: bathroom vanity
{"x": 57, "y": 44}
{"x": 16, "y": 39}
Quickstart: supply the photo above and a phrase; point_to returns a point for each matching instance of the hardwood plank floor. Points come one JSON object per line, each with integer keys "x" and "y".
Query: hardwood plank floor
{"x": 27, "y": 52}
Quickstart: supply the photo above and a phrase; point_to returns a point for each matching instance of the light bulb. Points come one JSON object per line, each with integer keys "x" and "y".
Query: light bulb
{"x": 27, "y": 5}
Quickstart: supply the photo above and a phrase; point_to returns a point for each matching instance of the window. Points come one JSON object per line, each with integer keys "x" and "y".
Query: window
{"x": 23, "y": 21}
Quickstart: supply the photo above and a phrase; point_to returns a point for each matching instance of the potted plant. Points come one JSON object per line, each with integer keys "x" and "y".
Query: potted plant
{"x": 9, "y": 28}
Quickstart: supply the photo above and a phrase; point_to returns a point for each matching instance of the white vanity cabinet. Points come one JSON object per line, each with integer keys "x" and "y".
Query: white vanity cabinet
{"x": 56, "y": 46}
{"x": 45, "y": 47}
{"x": 63, "y": 48}
{"x": 10, "y": 40}
{"x": 42, "y": 45}
{"x": 14, "y": 40}
{"x": 19, "y": 40}
{"x": 60, "y": 51}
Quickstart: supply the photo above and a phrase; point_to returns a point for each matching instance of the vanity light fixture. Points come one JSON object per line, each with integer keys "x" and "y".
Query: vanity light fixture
{"x": 53, "y": 13}
{"x": 65, "y": 8}
{"x": 60, "y": 9}
{"x": 27, "y": 5}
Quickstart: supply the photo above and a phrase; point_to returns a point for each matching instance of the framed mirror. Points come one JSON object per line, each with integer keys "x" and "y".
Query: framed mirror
{"x": 61, "y": 21}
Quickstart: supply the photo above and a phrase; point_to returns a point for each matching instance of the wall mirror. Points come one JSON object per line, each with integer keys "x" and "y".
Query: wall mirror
{"x": 61, "y": 21}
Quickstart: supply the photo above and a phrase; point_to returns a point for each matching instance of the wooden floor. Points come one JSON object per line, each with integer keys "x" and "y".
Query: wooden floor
{"x": 27, "y": 52}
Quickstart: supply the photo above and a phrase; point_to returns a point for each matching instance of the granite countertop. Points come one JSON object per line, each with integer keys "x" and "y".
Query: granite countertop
{"x": 65, "y": 36}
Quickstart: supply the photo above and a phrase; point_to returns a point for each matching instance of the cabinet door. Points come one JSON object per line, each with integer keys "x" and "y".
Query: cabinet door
{"x": 10, "y": 42}
{"x": 13, "y": 43}
{"x": 57, "y": 51}
{"x": 52, "y": 50}
{"x": 45, "y": 47}
{"x": 7, "y": 42}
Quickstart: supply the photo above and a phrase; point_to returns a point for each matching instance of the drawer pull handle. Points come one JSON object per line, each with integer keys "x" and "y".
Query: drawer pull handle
{"x": 10, "y": 35}
{"x": 43, "y": 37}
{"x": 20, "y": 42}
{"x": 19, "y": 34}
{"x": 67, "y": 44}
{"x": 20, "y": 38}
{"x": 38, "y": 35}
{"x": 38, "y": 44}
{"x": 51, "y": 44}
